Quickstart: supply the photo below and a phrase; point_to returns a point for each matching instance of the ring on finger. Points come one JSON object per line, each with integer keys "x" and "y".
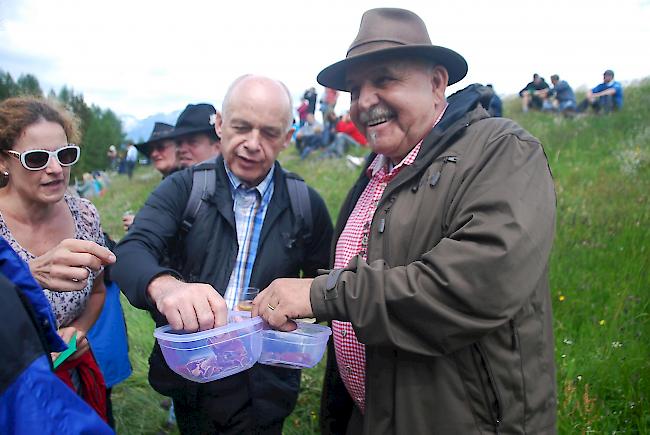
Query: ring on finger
{"x": 271, "y": 307}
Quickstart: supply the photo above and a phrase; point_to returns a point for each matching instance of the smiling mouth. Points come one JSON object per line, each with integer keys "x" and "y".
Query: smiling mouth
{"x": 377, "y": 121}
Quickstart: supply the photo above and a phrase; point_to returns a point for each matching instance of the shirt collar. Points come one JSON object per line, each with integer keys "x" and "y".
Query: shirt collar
{"x": 236, "y": 183}
{"x": 382, "y": 162}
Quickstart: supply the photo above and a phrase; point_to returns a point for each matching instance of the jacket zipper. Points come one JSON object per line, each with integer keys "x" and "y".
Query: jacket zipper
{"x": 496, "y": 411}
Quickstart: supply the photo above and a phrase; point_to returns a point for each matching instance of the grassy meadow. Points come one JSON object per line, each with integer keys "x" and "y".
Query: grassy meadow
{"x": 600, "y": 277}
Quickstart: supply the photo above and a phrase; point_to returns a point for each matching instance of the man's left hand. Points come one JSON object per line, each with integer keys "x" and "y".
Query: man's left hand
{"x": 282, "y": 301}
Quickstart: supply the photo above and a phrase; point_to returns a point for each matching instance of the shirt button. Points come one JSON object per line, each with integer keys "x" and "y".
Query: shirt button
{"x": 349, "y": 369}
{"x": 344, "y": 333}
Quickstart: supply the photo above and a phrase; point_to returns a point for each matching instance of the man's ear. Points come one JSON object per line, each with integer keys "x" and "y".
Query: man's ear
{"x": 439, "y": 77}
{"x": 439, "y": 80}
{"x": 287, "y": 138}
{"x": 218, "y": 123}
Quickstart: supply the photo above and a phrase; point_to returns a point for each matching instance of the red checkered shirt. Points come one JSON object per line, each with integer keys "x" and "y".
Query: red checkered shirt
{"x": 350, "y": 354}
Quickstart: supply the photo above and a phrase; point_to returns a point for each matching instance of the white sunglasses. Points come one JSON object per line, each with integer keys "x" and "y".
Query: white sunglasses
{"x": 35, "y": 160}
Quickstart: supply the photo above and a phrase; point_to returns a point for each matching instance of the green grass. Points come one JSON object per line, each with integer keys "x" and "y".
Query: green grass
{"x": 600, "y": 277}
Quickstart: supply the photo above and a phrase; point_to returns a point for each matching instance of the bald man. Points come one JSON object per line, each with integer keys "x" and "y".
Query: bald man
{"x": 246, "y": 229}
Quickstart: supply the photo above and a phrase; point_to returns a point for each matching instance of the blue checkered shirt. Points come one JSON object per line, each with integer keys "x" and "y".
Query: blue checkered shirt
{"x": 249, "y": 206}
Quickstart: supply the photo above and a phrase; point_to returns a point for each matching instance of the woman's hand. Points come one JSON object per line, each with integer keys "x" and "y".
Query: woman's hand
{"x": 66, "y": 334}
{"x": 67, "y": 266}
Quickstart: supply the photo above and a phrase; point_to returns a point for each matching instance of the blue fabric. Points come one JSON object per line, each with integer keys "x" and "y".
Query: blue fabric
{"x": 13, "y": 267}
{"x": 618, "y": 96}
{"x": 39, "y": 402}
{"x": 108, "y": 339}
{"x": 249, "y": 207}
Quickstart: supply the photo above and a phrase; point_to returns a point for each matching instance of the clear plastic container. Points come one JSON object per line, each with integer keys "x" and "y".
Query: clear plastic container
{"x": 298, "y": 349}
{"x": 213, "y": 354}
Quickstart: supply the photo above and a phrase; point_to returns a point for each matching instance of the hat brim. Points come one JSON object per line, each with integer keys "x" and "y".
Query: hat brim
{"x": 145, "y": 147}
{"x": 334, "y": 76}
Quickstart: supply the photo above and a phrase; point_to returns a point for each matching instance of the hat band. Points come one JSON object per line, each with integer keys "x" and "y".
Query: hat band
{"x": 376, "y": 45}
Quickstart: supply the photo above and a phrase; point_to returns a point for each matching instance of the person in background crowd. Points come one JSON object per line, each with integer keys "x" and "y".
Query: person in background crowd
{"x": 245, "y": 237}
{"x": 495, "y": 107}
{"x": 534, "y": 94}
{"x": 303, "y": 111}
{"x": 439, "y": 295}
{"x": 194, "y": 134}
{"x": 607, "y": 96}
{"x": 59, "y": 236}
{"x": 347, "y": 135}
{"x": 112, "y": 158}
{"x": 561, "y": 98}
{"x": 310, "y": 136}
{"x": 131, "y": 159}
{"x": 32, "y": 398}
{"x": 161, "y": 149}
{"x": 329, "y": 128}
{"x": 310, "y": 96}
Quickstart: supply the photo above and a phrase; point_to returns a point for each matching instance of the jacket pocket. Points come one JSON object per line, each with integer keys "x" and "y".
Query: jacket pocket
{"x": 492, "y": 397}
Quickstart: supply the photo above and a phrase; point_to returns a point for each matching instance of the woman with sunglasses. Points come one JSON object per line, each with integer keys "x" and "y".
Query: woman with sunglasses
{"x": 59, "y": 236}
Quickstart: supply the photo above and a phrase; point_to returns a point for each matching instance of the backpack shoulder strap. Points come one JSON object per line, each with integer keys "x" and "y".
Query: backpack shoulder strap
{"x": 204, "y": 177}
{"x": 300, "y": 204}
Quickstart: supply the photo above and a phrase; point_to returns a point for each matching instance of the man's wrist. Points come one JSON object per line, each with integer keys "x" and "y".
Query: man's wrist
{"x": 158, "y": 284}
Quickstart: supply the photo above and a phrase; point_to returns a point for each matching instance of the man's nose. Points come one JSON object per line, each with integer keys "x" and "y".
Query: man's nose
{"x": 367, "y": 96}
{"x": 253, "y": 141}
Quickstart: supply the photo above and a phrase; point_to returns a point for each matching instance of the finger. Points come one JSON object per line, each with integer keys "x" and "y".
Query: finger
{"x": 104, "y": 255}
{"x": 78, "y": 259}
{"x": 174, "y": 319}
{"x": 204, "y": 314}
{"x": 188, "y": 316}
{"x": 279, "y": 320}
{"x": 219, "y": 309}
{"x": 59, "y": 285}
{"x": 259, "y": 303}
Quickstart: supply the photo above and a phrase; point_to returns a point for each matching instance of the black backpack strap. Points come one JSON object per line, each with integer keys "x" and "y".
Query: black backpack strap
{"x": 204, "y": 178}
{"x": 300, "y": 205}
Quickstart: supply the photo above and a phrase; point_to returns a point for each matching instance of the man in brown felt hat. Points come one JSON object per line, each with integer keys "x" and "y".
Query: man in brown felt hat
{"x": 438, "y": 294}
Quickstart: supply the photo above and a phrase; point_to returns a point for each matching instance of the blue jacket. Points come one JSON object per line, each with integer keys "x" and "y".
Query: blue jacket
{"x": 32, "y": 398}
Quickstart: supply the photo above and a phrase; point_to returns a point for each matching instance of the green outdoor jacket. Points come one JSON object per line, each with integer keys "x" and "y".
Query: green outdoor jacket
{"x": 453, "y": 304}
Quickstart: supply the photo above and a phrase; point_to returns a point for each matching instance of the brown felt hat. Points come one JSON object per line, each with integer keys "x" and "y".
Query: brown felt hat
{"x": 387, "y": 33}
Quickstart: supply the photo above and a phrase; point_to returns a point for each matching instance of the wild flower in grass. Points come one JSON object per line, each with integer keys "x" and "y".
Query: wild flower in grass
{"x": 616, "y": 344}
{"x": 563, "y": 355}
{"x": 567, "y": 341}
{"x": 602, "y": 322}
{"x": 579, "y": 378}
{"x": 561, "y": 298}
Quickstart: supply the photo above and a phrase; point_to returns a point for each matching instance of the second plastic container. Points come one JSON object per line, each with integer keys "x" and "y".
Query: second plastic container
{"x": 302, "y": 348}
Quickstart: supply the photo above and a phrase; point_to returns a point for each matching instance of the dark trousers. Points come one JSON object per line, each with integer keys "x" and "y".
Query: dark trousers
{"x": 212, "y": 415}
{"x": 605, "y": 103}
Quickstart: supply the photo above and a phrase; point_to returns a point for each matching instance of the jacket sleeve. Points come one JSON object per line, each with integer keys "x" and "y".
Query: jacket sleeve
{"x": 140, "y": 253}
{"x": 317, "y": 254}
{"x": 494, "y": 254}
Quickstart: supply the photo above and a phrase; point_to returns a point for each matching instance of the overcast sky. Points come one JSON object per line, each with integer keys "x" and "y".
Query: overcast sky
{"x": 145, "y": 57}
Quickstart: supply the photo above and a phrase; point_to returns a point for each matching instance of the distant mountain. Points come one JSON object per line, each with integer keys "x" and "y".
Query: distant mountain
{"x": 138, "y": 130}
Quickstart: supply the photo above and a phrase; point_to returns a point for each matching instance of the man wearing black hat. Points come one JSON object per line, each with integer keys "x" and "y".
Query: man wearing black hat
{"x": 161, "y": 150}
{"x": 194, "y": 134}
{"x": 439, "y": 295}
{"x": 246, "y": 233}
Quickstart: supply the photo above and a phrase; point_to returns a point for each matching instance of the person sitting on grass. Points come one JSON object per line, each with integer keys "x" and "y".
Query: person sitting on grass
{"x": 534, "y": 94}
{"x": 561, "y": 97}
{"x": 347, "y": 135}
{"x": 310, "y": 136}
{"x": 607, "y": 96}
